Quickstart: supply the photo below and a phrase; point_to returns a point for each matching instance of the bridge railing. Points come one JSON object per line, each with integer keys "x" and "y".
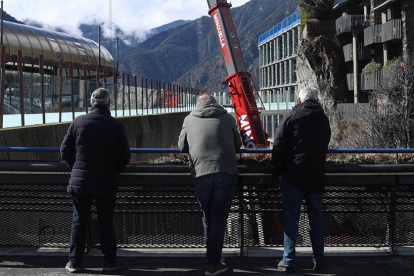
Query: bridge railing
{"x": 30, "y": 98}
{"x": 364, "y": 205}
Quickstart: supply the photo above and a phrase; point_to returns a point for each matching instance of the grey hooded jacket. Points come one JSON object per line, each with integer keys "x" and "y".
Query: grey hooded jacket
{"x": 212, "y": 138}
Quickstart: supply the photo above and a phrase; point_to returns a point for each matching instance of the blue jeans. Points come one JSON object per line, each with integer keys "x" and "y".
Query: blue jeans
{"x": 292, "y": 200}
{"x": 105, "y": 206}
{"x": 215, "y": 193}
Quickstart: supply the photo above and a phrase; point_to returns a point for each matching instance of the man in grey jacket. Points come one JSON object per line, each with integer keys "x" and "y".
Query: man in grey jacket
{"x": 212, "y": 138}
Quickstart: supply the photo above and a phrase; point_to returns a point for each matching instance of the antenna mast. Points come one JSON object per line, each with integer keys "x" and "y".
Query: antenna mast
{"x": 110, "y": 27}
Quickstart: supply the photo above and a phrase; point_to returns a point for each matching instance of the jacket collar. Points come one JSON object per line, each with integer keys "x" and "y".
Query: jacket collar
{"x": 102, "y": 108}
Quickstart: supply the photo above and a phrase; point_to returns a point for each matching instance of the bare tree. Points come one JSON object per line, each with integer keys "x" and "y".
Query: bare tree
{"x": 389, "y": 120}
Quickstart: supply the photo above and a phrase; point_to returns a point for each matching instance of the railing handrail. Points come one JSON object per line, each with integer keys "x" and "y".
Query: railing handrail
{"x": 168, "y": 150}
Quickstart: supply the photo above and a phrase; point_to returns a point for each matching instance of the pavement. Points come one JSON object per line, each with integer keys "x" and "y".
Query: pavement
{"x": 169, "y": 262}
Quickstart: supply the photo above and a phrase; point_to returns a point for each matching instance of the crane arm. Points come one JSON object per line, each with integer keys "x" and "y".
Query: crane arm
{"x": 238, "y": 79}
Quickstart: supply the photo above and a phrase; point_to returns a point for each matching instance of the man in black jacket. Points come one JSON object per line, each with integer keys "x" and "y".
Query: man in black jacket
{"x": 299, "y": 156}
{"x": 96, "y": 149}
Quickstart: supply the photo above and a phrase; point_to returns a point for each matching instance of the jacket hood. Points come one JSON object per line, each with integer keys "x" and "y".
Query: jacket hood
{"x": 311, "y": 109}
{"x": 208, "y": 110}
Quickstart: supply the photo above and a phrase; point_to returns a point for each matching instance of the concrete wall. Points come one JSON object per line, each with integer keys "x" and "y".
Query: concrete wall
{"x": 150, "y": 131}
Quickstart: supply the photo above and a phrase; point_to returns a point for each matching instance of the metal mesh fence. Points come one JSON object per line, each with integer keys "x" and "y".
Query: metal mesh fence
{"x": 154, "y": 216}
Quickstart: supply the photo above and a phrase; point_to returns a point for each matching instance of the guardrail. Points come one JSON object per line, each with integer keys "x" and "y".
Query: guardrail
{"x": 164, "y": 150}
{"x": 364, "y": 205}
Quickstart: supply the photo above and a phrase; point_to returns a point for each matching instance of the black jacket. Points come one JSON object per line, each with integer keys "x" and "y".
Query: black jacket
{"x": 96, "y": 149}
{"x": 300, "y": 147}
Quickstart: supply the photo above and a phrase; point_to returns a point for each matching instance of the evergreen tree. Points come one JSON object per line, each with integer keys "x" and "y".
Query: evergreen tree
{"x": 320, "y": 9}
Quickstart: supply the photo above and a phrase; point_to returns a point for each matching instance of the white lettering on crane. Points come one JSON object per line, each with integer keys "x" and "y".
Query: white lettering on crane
{"x": 247, "y": 133}
{"x": 219, "y": 31}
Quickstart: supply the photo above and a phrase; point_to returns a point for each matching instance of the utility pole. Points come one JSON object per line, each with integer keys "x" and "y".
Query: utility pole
{"x": 99, "y": 43}
{"x": 110, "y": 27}
{"x": 1, "y": 22}
{"x": 117, "y": 54}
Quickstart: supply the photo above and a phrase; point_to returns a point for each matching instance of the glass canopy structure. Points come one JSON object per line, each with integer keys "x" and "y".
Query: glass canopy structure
{"x": 54, "y": 46}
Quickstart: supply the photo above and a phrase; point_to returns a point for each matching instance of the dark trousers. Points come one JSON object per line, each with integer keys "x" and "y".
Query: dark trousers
{"x": 292, "y": 201}
{"x": 215, "y": 193}
{"x": 105, "y": 206}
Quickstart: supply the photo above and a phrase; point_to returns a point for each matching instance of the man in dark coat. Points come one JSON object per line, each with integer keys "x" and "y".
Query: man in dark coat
{"x": 96, "y": 149}
{"x": 298, "y": 156}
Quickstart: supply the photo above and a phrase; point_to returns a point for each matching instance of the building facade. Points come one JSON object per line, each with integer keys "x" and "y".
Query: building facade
{"x": 375, "y": 31}
{"x": 278, "y": 82}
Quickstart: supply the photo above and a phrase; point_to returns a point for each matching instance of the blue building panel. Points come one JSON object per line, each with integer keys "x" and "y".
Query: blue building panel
{"x": 285, "y": 25}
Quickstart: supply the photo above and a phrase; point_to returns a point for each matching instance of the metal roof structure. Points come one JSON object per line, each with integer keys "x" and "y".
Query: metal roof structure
{"x": 53, "y": 46}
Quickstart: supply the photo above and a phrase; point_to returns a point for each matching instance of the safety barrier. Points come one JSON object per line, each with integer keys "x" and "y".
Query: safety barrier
{"x": 364, "y": 205}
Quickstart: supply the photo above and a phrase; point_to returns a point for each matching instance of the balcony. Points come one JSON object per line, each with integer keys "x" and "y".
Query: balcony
{"x": 372, "y": 35}
{"x": 391, "y": 30}
{"x": 383, "y": 33}
{"x": 370, "y": 82}
{"x": 350, "y": 81}
{"x": 349, "y": 53}
{"x": 324, "y": 28}
{"x": 350, "y": 23}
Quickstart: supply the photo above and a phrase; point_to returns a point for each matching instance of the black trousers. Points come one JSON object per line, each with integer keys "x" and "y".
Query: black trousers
{"x": 105, "y": 206}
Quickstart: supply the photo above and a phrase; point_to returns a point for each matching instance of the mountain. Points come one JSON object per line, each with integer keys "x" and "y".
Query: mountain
{"x": 91, "y": 31}
{"x": 190, "y": 55}
{"x": 125, "y": 41}
{"x": 8, "y": 17}
{"x": 166, "y": 27}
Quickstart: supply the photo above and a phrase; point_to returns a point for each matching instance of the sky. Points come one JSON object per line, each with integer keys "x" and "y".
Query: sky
{"x": 134, "y": 17}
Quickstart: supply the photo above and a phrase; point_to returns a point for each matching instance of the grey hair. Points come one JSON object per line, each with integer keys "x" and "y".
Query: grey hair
{"x": 308, "y": 93}
{"x": 100, "y": 96}
{"x": 206, "y": 98}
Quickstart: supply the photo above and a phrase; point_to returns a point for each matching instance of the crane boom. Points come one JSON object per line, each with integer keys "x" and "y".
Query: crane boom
{"x": 238, "y": 79}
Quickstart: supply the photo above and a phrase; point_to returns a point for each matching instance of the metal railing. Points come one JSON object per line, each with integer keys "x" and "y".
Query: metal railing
{"x": 372, "y": 35}
{"x": 364, "y": 205}
{"x": 59, "y": 91}
{"x": 283, "y": 26}
{"x": 391, "y": 30}
{"x": 326, "y": 28}
{"x": 350, "y": 23}
{"x": 349, "y": 52}
{"x": 169, "y": 150}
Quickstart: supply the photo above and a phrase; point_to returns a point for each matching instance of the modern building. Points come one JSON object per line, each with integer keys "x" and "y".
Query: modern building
{"x": 372, "y": 30}
{"x": 277, "y": 54}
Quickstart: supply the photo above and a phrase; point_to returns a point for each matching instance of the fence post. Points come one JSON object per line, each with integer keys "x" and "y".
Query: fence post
{"x": 3, "y": 83}
{"x": 20, "y": 68}
{"x": 152, "y": 97}
{"x": 115, "y": 93}
{"x": 393, "y": 210}
{"x": 136, "y": 94}
{"x": 60, "y": 89}
{"x": 123, "y": 94}
{"x": 146, "y": 92}
{"x": 98, "y": 72}
{"x": 72, "y": 89}
{"x": 129, "y": 94}
{"x": 142, "y": 95}
{"x": 104, "y": 77}
{"x": 85, "y": 77}
{"x": 241, "y": 212}
{"x": 42, "y": 87}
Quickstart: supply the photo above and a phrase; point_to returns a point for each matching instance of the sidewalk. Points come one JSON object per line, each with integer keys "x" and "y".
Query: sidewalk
{"x": 361, "y": 262}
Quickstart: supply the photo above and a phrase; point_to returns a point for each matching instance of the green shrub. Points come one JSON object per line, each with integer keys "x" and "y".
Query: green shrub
{"x": 392, "y": 64}
{"x": 371, "y": 68}
{"x": 320, "y": 9}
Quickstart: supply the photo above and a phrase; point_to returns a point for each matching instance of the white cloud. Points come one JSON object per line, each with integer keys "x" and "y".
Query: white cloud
{"x": 134, "y": 17}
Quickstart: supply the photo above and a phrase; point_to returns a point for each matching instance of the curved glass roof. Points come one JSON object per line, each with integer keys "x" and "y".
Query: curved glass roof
{"x": 53, "y": 45}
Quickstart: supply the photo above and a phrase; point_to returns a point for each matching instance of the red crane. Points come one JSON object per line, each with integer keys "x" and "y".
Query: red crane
{"x": 238, "y": 79}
